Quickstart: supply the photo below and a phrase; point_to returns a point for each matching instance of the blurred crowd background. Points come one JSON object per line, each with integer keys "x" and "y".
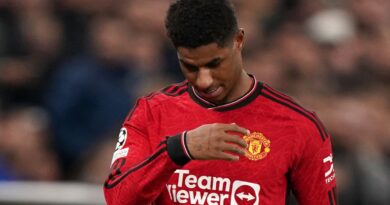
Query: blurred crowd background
{"x": 70, "y": 70}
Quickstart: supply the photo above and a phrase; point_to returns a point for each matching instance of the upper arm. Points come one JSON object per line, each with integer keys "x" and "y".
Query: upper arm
{"x": 313, "y": 176}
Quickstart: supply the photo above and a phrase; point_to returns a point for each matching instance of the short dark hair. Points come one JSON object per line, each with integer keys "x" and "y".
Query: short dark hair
{"x": 194, "y": 23}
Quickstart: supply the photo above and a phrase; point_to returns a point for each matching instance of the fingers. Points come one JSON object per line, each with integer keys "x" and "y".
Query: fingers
{"x": 232, "y": 142}
{"x": 217, "y": 141}
{"x": 233, "y": 127}
{"x": 227, "y": 147}
{"x": 235, "y": 139}
{"x": 227, "y": 156}
{"x": 231, "y": 136}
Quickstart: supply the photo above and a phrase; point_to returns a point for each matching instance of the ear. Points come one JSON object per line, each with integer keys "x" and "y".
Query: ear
{"x": 240, "y": 38}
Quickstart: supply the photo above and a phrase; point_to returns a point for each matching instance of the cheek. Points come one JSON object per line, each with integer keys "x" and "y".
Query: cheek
{"x": 232, "y": 69}
{"x": 191, "y": 77}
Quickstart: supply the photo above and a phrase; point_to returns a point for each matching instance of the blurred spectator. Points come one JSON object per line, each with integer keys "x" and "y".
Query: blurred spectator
{"x": 146, "y": 19}
{"x": 24, "y": 147}
{"x": 35, "y": 48}
{"x": 357, "y": 124}
{"x": 91, "y": 93}
{"x": 97, "y": 162}
{"x": 18, "y": 82}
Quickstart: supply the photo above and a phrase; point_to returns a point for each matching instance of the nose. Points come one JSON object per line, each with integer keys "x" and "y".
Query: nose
{"x": 204, "y": 79}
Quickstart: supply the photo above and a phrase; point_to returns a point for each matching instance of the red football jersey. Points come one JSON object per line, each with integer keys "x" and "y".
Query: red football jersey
{"x": 288, "y": 149}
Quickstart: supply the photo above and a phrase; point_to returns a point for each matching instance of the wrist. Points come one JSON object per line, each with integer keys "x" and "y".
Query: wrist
{"x": 178, "y": 150}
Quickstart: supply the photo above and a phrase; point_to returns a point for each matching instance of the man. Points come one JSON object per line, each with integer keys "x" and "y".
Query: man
{"x": 221, "y": 137}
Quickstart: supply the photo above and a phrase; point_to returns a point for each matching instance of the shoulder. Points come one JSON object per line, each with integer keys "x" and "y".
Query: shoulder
{"x": 305, "y": 120}
{"x": 153, "y": 104}
{"x": 170, "y": 91}
{"x": 169, "y": 94}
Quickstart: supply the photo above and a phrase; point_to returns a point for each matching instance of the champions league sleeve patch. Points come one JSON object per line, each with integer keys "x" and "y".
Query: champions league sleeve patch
{"x": 121, "y": 139}
{"x": 119, "y": 152}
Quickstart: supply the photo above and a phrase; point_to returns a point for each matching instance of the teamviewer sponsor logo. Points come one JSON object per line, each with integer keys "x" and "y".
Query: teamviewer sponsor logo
{"x": 245, "y": 193}
{"x": 193, "y": 189}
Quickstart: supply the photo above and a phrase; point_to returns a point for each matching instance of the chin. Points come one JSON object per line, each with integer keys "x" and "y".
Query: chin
{"x": 221, "y": 100}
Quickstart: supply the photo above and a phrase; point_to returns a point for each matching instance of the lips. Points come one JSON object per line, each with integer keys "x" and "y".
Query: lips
{"x": 211, "y": 93}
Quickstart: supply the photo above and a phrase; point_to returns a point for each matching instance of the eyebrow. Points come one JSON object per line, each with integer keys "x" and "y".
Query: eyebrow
{"x": 187, "y": 64}
{"x": 213, "y": 62}
{"x": 208, "y": 64}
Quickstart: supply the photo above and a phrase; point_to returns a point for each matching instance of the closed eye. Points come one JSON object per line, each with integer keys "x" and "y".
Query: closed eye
{"x": 189, "y": 67}
{"x": 214, "y": 63}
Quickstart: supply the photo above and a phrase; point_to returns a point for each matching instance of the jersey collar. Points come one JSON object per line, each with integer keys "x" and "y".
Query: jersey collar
{"x": 240, "y": 102}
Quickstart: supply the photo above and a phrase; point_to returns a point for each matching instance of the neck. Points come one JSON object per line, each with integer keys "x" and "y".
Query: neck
{"x": 245, "y": 84}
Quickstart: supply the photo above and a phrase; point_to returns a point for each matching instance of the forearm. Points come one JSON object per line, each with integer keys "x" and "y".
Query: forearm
{"x": 143, "y": 182}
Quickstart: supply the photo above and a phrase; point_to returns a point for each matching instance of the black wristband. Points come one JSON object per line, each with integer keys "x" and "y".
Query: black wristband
{"x": 177, "y": 150}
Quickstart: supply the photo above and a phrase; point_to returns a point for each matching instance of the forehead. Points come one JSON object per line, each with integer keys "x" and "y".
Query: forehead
{"x": 202, "y": 54}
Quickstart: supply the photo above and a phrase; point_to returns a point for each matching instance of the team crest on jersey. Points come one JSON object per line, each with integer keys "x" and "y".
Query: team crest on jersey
{"x": 258, "y": 146}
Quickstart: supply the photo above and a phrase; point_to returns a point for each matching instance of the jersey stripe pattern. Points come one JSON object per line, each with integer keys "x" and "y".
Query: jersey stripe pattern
{"x": 288, "y": 150}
